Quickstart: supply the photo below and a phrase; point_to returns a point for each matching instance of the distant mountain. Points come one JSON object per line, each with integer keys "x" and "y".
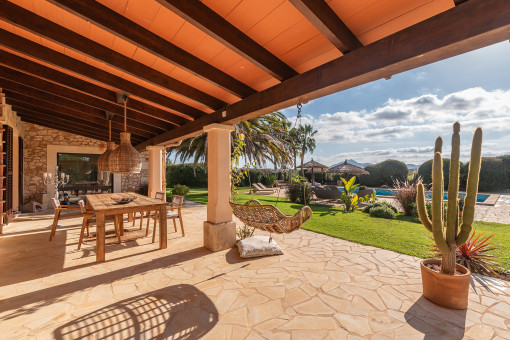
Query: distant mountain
{"x": 353, "y": 162}
{"x": 362, "y": 165}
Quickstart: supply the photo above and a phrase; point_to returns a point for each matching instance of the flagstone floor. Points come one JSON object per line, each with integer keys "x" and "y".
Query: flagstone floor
{"x": 322, "y": 288}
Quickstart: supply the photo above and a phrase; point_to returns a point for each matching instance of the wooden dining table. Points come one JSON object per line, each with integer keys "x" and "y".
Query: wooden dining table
{"x": 104, "y": 205}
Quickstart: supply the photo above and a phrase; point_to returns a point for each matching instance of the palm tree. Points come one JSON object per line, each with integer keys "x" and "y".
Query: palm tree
{"x": 266, "y": 139}
{"x": 306, "y": 142}
{"x": 294, "y": 144}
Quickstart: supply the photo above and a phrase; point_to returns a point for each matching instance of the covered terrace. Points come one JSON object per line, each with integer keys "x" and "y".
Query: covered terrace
{"x": 193, "y": 67}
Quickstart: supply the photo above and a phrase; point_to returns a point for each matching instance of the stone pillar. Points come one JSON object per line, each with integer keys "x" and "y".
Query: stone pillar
{"x": 155, "y": 170}
{"x": 219, "y": 229}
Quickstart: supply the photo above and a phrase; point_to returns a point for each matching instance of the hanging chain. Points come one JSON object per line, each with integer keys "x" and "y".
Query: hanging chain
{"x": 125, "y": 114}
{"x": 110, "y": 130}
{"x": 299, "y": 106}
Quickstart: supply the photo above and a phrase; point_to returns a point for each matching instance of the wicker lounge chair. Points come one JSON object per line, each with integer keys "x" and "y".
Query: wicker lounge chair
{"x": 328, "y": 192}
{"x": 269, "y": 218}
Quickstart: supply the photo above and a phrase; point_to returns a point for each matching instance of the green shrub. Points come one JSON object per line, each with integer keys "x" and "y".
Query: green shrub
{"x": 180, "y": 190}
{"x": 384, "y": 173}
{"x": 506, "y": 168}
{"x": 266, "y": 177}
{"x": 362, "y": 187}
{"x": 297, "y": 191}
{"x": 390, "y": 170}
{"x": 323, "y": 177}
{"x": 425, "y": 171}
{"x": 378, "y": 204}
{"x": 428, "y": 204}
{"x": 269, "y": 180}
{"x": 185, "y": 174}
{"x": 382, "y": 212}
{"x": 492, "y": 175}
{"x": 372, "y": 178}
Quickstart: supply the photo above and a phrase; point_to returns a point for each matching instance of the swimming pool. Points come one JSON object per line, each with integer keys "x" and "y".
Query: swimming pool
{"x": 387, "y": 192}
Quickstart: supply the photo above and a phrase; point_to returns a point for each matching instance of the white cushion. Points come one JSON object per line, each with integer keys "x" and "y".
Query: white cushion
{"x": 170, "y": 213}
{"x": 258, "y": 246}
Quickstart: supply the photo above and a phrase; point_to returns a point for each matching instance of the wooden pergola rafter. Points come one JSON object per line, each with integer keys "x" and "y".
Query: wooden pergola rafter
{"x": 117, "y": 24}
{"x": 222, "y": 62}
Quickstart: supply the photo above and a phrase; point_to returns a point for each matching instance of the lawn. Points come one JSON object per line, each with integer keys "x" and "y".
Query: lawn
{"x": 404, "y": 235}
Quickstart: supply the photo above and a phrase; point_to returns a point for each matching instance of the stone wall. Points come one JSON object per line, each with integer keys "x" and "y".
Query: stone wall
{"x": 36, "y": 141}
{"x": 134, "y": 182}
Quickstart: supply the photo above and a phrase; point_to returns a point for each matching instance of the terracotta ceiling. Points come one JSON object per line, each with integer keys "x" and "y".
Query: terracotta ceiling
{"x": 279, "y": 27}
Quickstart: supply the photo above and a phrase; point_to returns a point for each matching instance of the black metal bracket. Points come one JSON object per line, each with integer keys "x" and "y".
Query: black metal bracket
{"x": 122, "y": 97}
{"x": 109, "y": 115}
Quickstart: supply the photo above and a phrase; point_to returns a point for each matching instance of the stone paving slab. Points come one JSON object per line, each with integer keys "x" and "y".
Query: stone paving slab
{"x": 321, "y": 288}
{"x": 500, "y": 212}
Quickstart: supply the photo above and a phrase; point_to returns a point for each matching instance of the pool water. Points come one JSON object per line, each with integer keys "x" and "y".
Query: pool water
{"x": 388, "y": 192}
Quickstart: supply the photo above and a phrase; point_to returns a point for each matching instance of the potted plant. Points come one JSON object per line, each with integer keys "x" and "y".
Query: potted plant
{"x": 449, "y": 287}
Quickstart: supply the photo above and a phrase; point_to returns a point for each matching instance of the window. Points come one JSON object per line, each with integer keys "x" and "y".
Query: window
{"x": 83, "y": 173}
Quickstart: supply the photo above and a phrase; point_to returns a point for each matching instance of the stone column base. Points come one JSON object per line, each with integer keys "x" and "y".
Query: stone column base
{"x": 219, "y": 236}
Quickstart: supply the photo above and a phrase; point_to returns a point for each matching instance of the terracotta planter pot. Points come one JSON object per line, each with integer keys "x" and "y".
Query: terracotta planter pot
{"x": 445, "y": 290}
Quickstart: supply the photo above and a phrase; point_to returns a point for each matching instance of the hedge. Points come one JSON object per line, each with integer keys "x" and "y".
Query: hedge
{"x": 185, "y": 175}
{"x": 425, "y": 171}
{"x": 494, "y": 173}
{"x": 384, "y": 173}
{"x": 323, "y": 178}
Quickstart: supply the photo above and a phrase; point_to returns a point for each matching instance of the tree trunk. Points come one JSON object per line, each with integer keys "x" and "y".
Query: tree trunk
{"x": 448, "y": 261}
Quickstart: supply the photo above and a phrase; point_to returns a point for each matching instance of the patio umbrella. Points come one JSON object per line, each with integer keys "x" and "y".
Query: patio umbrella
{"x": 348, "y": 169}
{"x": 313, "y": 165}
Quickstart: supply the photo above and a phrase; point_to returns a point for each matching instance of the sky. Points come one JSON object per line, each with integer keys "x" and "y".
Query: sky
{"x": 401, "y": 117}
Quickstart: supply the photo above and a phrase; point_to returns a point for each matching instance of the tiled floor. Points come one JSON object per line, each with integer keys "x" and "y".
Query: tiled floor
{"x": 322, "y": 288}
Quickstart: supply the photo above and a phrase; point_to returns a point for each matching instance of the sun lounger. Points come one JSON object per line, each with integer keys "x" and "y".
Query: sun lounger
{"x": 266, "y": 188}
{"x": 258, "y": 189}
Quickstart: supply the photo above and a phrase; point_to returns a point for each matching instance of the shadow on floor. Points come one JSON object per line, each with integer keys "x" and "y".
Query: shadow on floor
{"x": 436, "y": 322}
{"x": 22, "y": 256}
{"x": 31, "y": 302}
{"x": 23, "y": 253}
{"x": 175, "y": 312}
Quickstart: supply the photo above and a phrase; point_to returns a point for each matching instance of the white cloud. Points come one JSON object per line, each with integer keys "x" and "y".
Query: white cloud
{"x": 400, "y": 119}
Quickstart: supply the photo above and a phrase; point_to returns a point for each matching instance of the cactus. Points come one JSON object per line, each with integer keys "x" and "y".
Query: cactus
{"x": 448, "y": 235}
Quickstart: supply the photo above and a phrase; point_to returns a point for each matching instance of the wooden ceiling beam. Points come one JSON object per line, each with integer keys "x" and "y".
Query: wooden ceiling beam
{"x": 119, "y": 25}
{"x": 38, "y": 25}
{"x": 52, "y": 57}
{"x": 100, "y": 123}
{"x": 52, "y": 116}
{"x": 319, "y": 14}
{"x": 26, "y": 66}
{"x": 220, "y": 29}
{"x": 86, "y": 111}
{"x": 80, "y": 97}
{"x": 36, "y": 118}
{"x": 472, "y": 25}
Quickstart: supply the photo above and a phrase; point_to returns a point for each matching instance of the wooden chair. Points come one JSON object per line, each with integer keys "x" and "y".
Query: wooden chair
{"x": 90, "y": 218}
{"x": 177, "y": 202}
{"x": 62, "y": 212}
